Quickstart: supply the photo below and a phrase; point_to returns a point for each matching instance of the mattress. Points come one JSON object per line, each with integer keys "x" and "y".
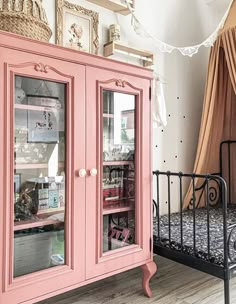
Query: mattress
{"x": 216, "y": 253}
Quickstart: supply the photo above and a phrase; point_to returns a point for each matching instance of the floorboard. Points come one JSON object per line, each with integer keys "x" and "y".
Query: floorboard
{"x": 172, "y": 284}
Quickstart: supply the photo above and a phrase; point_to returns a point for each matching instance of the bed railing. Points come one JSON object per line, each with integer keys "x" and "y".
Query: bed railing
{"x": 210, "y": 185}
{"x": 227, "y": 157}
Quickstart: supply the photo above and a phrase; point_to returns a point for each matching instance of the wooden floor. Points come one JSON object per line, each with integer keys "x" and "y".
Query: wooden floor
{"x": 173, "y": 284}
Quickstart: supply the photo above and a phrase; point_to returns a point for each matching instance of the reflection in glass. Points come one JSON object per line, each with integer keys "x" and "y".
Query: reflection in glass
{"x": 118, "y": 170}
{"x": 39, "y": 175}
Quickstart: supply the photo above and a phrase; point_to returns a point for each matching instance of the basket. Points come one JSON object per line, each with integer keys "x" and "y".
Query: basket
{"x": 26, "y": 18}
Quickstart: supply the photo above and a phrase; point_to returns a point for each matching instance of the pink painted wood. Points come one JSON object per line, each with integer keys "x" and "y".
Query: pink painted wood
{"x": 97, "y": 261}
{"x": 149, "y": 270}
{"x": 85, "y": 74}
{"x": 20, "y": 289}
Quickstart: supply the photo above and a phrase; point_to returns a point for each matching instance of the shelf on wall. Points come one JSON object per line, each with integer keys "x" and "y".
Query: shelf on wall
{"x": 117, "y": 6}
{"x": 113, "y": 47}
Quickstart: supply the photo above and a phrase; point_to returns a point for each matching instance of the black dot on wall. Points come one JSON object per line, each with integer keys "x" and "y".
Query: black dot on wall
{"x": 181, "y": 141}
{"x": 164, "y": 161}
{"x": 171, "y": 182}
{"x": 162, "y": 130}
{"x": 176, "y": 156}
{"x": 166, "y": 202}
{"x": 156, "y": 146}
{"x": 184, "y": 116}
{"x": 169, "y": 115}
{"x": 177, "y": 97}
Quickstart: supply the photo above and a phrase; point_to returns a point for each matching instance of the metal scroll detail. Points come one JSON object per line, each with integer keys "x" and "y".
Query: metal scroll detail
{"x": 207, "y": 192}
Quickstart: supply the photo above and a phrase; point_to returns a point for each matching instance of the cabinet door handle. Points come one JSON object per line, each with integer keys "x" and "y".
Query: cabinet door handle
{"x": 82, "y": 173}
{"x": 93, "y": 172}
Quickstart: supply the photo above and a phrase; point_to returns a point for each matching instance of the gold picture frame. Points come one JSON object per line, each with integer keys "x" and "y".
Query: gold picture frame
{"x": 76, "y": 27}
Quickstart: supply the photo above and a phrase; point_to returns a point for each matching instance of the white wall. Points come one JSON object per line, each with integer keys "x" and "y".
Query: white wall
{"x": 179, "y": 23}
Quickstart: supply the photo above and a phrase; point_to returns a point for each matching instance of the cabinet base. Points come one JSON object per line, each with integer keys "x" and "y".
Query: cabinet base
{"x": 149, "y": 270}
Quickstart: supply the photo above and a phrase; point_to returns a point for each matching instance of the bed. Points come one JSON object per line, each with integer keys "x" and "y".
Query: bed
{"x": 204, "y": 235}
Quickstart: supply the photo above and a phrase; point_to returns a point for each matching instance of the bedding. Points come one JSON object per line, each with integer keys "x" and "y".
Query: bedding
{"x": 216, "y": 255}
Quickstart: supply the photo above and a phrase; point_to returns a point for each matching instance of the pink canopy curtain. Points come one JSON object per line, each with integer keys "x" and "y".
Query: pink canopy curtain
{"x": 219, "y": 110}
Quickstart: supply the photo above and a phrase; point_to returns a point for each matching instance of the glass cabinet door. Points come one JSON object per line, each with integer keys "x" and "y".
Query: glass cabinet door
{"x": 39, "y": 175}
{"x": 119, "y": 187}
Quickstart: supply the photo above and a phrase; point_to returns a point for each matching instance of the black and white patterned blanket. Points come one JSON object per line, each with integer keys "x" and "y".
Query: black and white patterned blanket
{"x": 216, "y": 255}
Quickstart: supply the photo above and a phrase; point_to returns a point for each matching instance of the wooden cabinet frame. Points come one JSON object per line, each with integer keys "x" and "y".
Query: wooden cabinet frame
{"x": 85, "y": 75}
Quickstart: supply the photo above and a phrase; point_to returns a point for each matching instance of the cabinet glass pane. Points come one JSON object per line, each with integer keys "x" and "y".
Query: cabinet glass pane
{"x": 118, "y": 170}
{"x": 39, "y": 175}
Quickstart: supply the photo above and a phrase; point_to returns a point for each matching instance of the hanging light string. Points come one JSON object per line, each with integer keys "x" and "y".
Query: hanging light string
{"x": 167, "y": 48}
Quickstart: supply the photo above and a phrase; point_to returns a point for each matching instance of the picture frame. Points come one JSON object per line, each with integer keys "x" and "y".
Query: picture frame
{"x": 76, "y": 27}
{"x": 43, "y": 124}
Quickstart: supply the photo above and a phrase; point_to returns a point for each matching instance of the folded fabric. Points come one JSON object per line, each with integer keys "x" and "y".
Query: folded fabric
{"x": 159, "y": 105}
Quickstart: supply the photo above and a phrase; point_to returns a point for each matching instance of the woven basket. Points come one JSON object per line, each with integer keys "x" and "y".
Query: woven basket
{"x": 24, "y": 17}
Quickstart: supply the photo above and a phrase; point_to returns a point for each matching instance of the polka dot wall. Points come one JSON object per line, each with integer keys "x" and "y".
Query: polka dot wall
{"x": 174, "y": 146}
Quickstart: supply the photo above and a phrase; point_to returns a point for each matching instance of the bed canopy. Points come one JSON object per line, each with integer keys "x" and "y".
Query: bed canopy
{"x": 219, "y": 108}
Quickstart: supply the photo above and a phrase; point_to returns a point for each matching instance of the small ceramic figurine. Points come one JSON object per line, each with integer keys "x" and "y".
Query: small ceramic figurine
{"x": 114, "y": 32}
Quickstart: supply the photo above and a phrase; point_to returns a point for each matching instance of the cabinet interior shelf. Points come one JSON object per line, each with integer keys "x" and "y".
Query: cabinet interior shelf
{"x": 106, "y": 115}
{"x": 107, "y": 211}
{"x": 118, "y": 163}
{"x": 42, "y": 219}
{"x": 50, "y": 211}
{"x": 36, "y": 108}
{"x": 113, "y": 47}
{"x": 36, "y": 166}
{"x": 34, "y": 223}
{"x": 115, "y": 5}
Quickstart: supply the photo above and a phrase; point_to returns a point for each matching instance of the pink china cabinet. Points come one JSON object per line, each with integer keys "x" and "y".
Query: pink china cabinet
{"x": 75, "y": 178}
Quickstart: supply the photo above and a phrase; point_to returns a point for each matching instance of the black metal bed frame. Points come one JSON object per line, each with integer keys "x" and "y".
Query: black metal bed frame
{"x": 212, "y": 200}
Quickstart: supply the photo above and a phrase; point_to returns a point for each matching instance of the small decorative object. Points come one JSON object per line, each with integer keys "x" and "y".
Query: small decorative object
{"x": 53, "y": 199}
{"x": 26, "y": 206}
{"x": 57, "y": 259}
{"x": 120, "y": 234}
{"x": 77, "y": 27}
{"x": 19, "y": 92}
{"x": 43, "y": 204}
{"x": 43, "y": 126}
{"x": 26, "y": 18}
{"x": 17, "y": 182}
{"x": 61, "y": 194}
{"x": 114, "y": 32}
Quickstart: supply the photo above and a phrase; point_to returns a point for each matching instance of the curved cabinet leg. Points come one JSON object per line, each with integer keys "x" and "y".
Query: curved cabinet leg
{"x": 149, "y": 270}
